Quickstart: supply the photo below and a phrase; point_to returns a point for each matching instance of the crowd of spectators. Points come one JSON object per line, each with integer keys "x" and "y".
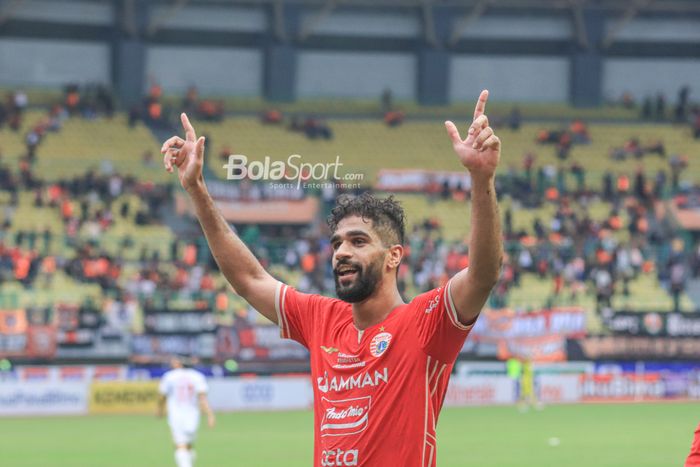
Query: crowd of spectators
{"x": 573, "y": 251}
{"x": 154, "y": 110}
{"x": 310, "y": 126}
{"x": 563, "y": 140}
{"x": 576, "y": 252}
{"x": 88, "y": 101}
{"x": 655, "y": 108}
{"x": 12, "y": 109}
{"x": 88, "y": 207}
{"x": 634, "y": 148}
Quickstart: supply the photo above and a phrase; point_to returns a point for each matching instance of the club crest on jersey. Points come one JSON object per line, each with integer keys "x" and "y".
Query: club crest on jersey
{"x": 379, "y": 344}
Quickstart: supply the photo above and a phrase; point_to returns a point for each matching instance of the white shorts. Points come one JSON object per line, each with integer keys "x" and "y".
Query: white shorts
{"x": 181, "y": 436}
{"x": 184, "y": 429}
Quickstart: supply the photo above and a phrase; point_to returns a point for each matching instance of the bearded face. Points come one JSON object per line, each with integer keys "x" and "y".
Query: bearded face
{"x": 355, "y": 282}
{"x": 359, "y": 258}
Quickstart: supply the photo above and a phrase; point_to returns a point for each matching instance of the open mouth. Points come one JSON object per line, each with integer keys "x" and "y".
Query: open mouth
{"x": 346, "y": 273}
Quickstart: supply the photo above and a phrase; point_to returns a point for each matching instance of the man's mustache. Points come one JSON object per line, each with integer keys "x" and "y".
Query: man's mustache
{"x": 345, "y": 262}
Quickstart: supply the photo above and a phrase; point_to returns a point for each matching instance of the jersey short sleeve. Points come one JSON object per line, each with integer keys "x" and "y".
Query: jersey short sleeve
{"x": 295, "y": 311}
{"x": 440, "y": 332}
{"x": 165, "y": 384}
{"x": 200, "y": 383}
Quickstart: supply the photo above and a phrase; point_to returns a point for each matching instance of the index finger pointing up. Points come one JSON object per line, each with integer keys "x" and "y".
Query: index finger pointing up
{"x": 189, "y": 130}
{"x": 481, "y": 104}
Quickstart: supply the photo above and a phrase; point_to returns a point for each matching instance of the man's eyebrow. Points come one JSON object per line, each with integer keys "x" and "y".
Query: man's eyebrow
{"x": 351, "y": 233}
{"x": 357, "y": 233}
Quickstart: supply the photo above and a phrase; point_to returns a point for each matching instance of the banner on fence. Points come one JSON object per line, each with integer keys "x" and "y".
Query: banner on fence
{"x": 633, "y": 347}
{"x": 480, "y": 390}
{"x": 421, "y": 181}
{"x": 539, "y": 335}
{"x": 123, "y": 397}
{"x": 36, "y": 398}
{"x": 263, "y": 393}
{"x": 654, "y": 324}
{"x": 553, "y": 389}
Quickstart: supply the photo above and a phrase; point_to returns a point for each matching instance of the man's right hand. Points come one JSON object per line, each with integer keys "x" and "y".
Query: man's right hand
{"x": 185, "y": 154}
{"x": 240, "y": 267}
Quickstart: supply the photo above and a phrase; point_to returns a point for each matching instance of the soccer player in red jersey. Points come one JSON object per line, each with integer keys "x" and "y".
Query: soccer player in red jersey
{"x": 693, "y": 459}
{"x": 380, "y": 367}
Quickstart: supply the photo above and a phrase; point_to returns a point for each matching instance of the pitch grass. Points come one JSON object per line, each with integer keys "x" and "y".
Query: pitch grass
{"x": 588, "y": 435}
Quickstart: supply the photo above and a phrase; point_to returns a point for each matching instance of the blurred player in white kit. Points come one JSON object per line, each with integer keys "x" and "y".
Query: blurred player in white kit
{"x": 185, "y": 391}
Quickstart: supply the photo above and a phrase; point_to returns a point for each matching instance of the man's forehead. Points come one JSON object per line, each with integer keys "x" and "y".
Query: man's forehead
{"x": 354, "y": 224}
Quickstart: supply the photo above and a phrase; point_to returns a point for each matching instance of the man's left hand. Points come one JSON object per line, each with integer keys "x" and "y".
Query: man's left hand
{"x": 481, "y": 150}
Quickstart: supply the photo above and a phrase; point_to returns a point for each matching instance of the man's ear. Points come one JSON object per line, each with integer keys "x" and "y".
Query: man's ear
{"x": 394, "y": 256}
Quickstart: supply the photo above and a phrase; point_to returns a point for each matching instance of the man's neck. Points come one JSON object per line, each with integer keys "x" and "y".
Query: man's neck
{"x": 377, "y": 307}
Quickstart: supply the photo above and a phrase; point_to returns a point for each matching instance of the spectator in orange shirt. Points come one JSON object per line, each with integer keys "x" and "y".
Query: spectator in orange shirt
{"x": 207, "y": 283}
{"x": 66, "y": 209}
{"x": 221, "y": 302}
{"x": 190, "y": 255}
{"x": 308, "y": 263}
{"x": 22, "y": 265}
{"x": 623, "y": 185}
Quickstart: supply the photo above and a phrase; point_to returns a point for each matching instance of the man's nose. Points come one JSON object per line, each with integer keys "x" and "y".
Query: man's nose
{"x": 343, "y": 251}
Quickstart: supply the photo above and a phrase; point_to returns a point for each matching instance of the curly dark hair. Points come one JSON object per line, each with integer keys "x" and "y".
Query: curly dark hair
{"x": 387, "y": 215}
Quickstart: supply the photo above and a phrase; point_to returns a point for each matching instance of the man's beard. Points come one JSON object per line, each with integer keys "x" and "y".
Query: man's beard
{"x": 364, "y": 284}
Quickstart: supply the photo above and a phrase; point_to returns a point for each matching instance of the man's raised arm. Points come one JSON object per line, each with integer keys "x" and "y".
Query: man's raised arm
{"x": 479, "y": 153}
{"x": 238, "y": 264}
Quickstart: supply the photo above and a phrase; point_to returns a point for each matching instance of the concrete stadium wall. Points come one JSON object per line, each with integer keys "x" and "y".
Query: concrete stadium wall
{"x": 657, "y": 30}
{"x": 214, "y": 18}
{"x": 75, "y": 12}
{"x": 350, "y": 23}
{"x": 356, "y": 74}
{"x": 514, "y": 27}
{"x": 649, "y": 76}
{"x": 225, "y": 71}
{"x": 38, "y": 62}
{"x": 351, "y": 53}
{"x": 509, "y": 78}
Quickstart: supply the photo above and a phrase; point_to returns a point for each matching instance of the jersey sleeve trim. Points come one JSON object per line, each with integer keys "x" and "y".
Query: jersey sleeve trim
{"x": 203, "y": 386}
{"x": 280, "y": 294}
{"x": 452, "y": 310}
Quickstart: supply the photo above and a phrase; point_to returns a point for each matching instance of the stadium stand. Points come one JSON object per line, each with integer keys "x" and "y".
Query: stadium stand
{"x": 105, "y": 272}
{"x": 597, "y": 200}
{"x": 133, "y": 230}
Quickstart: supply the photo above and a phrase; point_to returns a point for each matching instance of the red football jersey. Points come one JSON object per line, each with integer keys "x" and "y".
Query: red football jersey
{"x": 693, "y": 459}
{"x": 377, "y": 392}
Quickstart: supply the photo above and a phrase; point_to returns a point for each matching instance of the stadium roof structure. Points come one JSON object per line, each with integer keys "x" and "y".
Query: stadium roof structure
{"x": 651, "y": 6}
{"x": 661, "y": 6}
{"x": 587, "y": 32}
{"x": 623, "y": 11}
